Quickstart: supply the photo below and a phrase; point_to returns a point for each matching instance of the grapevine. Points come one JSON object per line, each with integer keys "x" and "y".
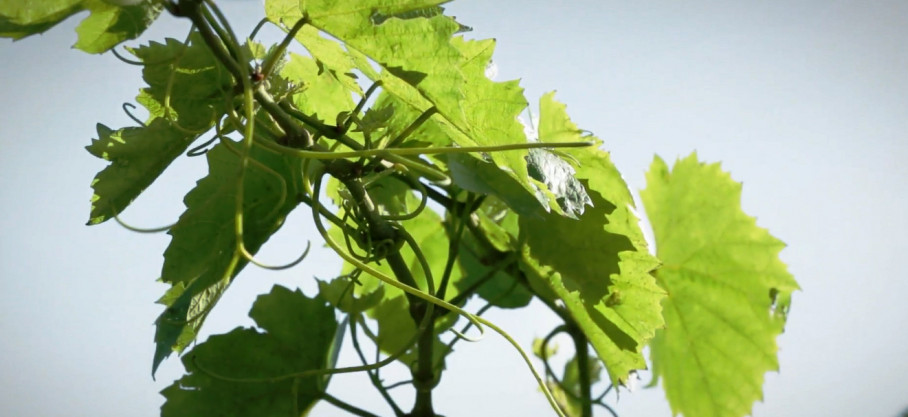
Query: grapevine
{"x": 417, "y": 173}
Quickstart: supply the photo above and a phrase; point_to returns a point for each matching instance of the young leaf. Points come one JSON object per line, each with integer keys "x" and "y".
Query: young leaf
{"x": 250, "y": 373}
{"x": 201, "y": 259}
{"x": 728, "y": 291}
{"x": 597, "y": 264}
{"x": 137, "y": 155}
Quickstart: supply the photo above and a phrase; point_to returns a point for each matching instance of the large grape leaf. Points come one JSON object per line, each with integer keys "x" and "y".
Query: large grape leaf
{"x": 201, "y": 259}
{"x": 422, "y": 67}
{"x": 728, "y": 292}
{"x": 597, "y": 264}
{"x": 137, "y": 155}
{"x": 247, "y": 372}
{"x": 106, "y": 26}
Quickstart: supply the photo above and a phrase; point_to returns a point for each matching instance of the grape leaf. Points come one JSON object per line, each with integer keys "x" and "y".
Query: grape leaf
{"x": 186, "y": 83}
{"x": 201, "y": 259}
{"x": 322, "y": 94}
{"x": 137, "y": 155}
{"x": 245, "y": 372}
{"x": 597, "y": 264}
{"x": 728, "y": 290}
{"x": 106, "y": 26}
{"x": 423, "y": 67}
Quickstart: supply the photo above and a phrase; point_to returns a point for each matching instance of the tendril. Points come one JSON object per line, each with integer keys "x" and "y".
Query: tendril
{"x": 476, "y": 320}
{"x": 127, "y": 108}
{"x": 130, "y": 61}
{"x": 257, "y": 28}
{"x": 202, "y": 149}
{"x": 249, "y": 257}
{"x": 132, "y": 228}
{"x": 269, "y": 64}
{"x": 423, "y": 201}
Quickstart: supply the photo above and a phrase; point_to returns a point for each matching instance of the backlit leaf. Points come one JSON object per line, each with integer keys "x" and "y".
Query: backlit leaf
{"x": 106, "y": 26}
{"x": 728, "y": 292}
{"x": 597, "y": 264}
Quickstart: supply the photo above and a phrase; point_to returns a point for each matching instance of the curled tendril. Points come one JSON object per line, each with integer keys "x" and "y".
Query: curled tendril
{"x": 423, "y": 201}
{"x": 477, "y": 321}
{"x": 359, "y": 106}
{"x": 249, "y": 257}
{"x": 127, "y": 108}
{"x": 202, "y": 149}
{"x": 130, "y": 61}
{"x": 132, "y": 228}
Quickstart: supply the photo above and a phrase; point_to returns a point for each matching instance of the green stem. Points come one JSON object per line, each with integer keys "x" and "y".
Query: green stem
{"x": 373, "y": 375}
{"x": 581, "y": 352}
{"x": 346, "y": 406}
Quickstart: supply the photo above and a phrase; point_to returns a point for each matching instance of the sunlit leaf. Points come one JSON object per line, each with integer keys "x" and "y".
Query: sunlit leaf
{"x": 106, "y": 26}
{"x": 597, "y": 264}
{"x": 728, "y": 292}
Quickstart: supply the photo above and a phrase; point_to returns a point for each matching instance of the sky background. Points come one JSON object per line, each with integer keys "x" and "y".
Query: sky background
{"x": 805, "y": 102}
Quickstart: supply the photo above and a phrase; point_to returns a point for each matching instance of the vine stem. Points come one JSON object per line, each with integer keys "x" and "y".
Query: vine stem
{"x": 477, "y": 321}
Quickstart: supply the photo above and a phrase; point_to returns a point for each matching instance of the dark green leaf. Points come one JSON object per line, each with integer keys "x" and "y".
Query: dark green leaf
{"x": 250, "y": 373}
{"x": 186, "y": 83}
{"x": 201, "y": 259}
{"x": 137, "y": 155}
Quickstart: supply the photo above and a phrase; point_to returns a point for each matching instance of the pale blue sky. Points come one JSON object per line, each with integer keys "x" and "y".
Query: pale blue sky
{"x": 805, "y": 102}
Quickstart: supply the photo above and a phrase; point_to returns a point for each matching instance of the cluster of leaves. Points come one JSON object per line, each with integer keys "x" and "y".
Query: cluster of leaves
{"x": 521, "y": 218}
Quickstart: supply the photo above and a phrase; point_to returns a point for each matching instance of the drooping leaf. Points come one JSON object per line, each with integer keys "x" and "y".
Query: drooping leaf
{"x": 247, "y": 372}
{"x": 137, "y": 155}
{"x": 201, "y": 259}
{"x": 106, "y": 26}
{"x": 728, "y": 292}
{"x": 597, "y": 264}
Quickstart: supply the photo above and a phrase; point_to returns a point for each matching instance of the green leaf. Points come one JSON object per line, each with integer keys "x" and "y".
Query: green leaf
{"x": 483, "y": 177}
{"x": 250, "y": 373}
{"x": 186, "y": 83}
{"x": 728, "y": 290}
{"x": 322, "y": 95}
{"x": 597, "y": 264}
{"x": 201, "y": 259}
{"x": 137, "y": 155}
{"x": 106, "y": 26}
